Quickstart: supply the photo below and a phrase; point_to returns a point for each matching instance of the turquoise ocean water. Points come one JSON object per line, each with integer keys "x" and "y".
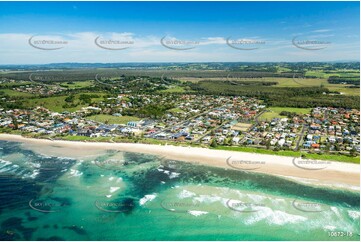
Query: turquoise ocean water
{"x": 117, "y": 195}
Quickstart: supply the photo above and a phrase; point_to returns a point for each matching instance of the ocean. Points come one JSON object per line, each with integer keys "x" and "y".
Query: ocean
{"x": 114, "y": 195}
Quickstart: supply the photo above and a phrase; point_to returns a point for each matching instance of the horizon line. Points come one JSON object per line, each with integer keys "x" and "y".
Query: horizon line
{"x": 183, "y": 62}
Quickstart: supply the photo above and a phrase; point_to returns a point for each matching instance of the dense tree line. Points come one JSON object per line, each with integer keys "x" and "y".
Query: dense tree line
{"x": 288, "y": 114}
{"x": 302, "y": 97}
{"x": 347, "y": 80}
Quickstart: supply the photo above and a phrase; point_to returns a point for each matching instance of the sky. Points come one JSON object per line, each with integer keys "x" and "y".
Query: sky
{"x": 109, "y": 32}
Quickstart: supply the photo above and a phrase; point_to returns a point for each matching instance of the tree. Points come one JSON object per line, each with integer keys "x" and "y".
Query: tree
{"x": 28, "y": 116}
{"x": 353, "y": 152}
{"x": 15, "y": 122}
{"x": 69, "y": 99}
{"x": 226, "y": 141}
{"x": 214, "y": 143}
{"x": 268, "y": 144}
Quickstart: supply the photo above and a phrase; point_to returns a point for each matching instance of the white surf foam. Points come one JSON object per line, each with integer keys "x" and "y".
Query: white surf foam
{"x": 113, "y": 189}
{"x": 197, "y": 213}
{"x": 147, "y": 198}
{"x": 355, "y": 215}
{"x": 75, "y": 173}
{"x": 174, "y": 175}
{"x": 186, "y": 194}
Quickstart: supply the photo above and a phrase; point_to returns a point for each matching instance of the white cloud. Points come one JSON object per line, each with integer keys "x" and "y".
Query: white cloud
{"x": 321, "y": 30}
{"x": 81, "y": 47}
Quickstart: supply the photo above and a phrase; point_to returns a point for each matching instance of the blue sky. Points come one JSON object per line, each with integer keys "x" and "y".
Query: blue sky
{"x": 267, "y": 27}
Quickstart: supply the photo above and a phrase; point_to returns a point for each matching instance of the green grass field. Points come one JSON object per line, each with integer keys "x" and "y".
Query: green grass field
{"x": 56, "y": 103}
{"x": 321, "y": 74}
{"x": 342, "y": 88}
{"x": 16, "y": 93}
{"x": 103, "y": 118}
{"x": 76, "y": 85}
{"x": 332, "y": 157}
{"x": 176, "y": 110}
{"x": 85, "y": 138}
{"x": 283, "y": 69}
{"x": 314, "y": 82}
{"x": 14, "y": 84}
{"x": 173, "y": 89}
{"x": 275, "y": 112}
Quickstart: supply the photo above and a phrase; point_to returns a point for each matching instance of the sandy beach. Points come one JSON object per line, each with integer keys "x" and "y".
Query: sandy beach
{"x": 331, "y": 173}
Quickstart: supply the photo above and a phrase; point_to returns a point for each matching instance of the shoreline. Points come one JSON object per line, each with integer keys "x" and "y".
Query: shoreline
{"x": 328, "y": 173}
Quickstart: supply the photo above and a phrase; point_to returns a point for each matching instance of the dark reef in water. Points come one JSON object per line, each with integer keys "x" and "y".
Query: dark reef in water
{"x": 16, "y": 192}
{"x": 12, "y": 225}
{"x": 76, "y": 229}
{"x": 29, "y": 217}
{"x": 52, "y": 238}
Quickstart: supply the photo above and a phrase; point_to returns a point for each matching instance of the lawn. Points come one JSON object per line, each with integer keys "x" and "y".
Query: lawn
{"x": 75, "y": 138}
{"x": 283, "y": 69}
{"x": 299, "y": 82}
{"x": 269, "y": 116}
{"x": 318, "y": 74}
{"x": 260, "y": 151}
{"x": 343, "y": 88}
{"x": 174, "y": 89}
{"x": 56, "y": 103}
{"x": 334, "y": 157}
{"x": 342, "y": 73}
{"x": 14, "y": 84}
{"x": 176, "y": 110}
{"x": 16, "y": 93}
{"x": 110, "y": 119}
{"x": 78, "y": 84}
{"x": 275, "y": 112}
{"x": 293, "y": 110}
